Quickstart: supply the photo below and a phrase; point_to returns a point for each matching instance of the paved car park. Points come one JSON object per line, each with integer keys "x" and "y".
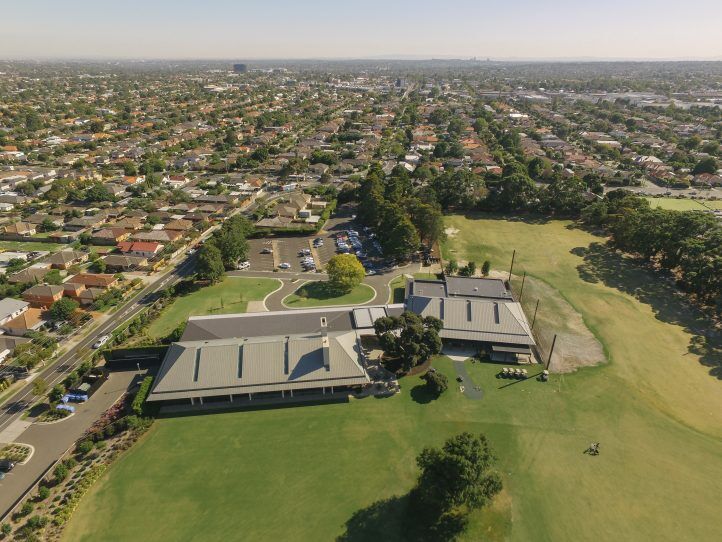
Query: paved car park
{"x": 288, "y": 249}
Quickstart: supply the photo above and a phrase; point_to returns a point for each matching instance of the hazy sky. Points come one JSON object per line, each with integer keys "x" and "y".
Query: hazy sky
{"x": 248, "y": 29}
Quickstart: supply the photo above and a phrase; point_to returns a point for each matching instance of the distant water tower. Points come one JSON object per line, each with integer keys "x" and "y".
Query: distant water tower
{"x": 240, "y": 68}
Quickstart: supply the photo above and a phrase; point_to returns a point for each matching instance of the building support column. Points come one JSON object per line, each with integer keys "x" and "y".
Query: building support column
{"x": 192, "y": 401}
{"x": 201, "y": 400}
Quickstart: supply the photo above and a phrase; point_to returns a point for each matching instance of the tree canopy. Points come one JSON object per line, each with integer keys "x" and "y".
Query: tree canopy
{"x": 409, "y": 338}
{"x": 345, "y": 272}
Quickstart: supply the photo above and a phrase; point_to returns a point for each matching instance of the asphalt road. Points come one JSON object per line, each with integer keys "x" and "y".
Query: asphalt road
{"x": 52, "y": 440}
{"x": 62, "y": 366}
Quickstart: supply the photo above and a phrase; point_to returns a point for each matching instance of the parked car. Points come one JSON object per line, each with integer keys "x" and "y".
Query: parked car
{"x": 101, "y": 341}
{"x": 267, "y": 250}
{"x": 304, "y": 252}
{"x": 243, "y": 265}
{"x": 285, "y": 265}
{"x": 318, "y": 242}
{"x": 6, "y": 465}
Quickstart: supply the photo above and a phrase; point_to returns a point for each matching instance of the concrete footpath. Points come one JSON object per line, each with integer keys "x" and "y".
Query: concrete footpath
{"x": 52, "y": 440}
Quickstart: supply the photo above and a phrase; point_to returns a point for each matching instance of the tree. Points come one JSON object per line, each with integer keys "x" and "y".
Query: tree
{"x": 457, "y": 475}
{"x": 485, "y": 268}
{"x": 427, "y": 219}
{"x": 457, "y": 190}
{"x": 345, "y": 272}
{"x": 129, "y": 168}
{"x": 400, "y": 237}
{"x": 536, "y": 167}
{"x": 210, "y": 264}
{"x": 409, "y": 338}
{"x": 56, "y": 394}
{"x": 62, "y": 309}
{"x": 452, "y": 267}
{"x": 706, "y": 165}
{"x": 469, "y": 270}
{"x": 61, "y": 473}
{"x": 436, "y": 382}
{"x": 99, "y": 265}
{"x": 231, "y": 241}
{"x": 40, "y": 386}
{"x": 515, "y": 192}
{"x": 97, "y": 193}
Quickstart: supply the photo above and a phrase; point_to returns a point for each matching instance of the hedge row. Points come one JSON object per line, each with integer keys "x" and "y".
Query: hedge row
{"x": 138, "y": 405}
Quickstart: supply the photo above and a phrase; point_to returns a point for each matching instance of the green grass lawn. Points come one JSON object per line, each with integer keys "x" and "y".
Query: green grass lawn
{"x": 317, "y": 294}
{"x": 29, "y": 246}
{"x": 397, "y": 289}
{"x": 301, "y": 473}
{"x": 229, "y": 296}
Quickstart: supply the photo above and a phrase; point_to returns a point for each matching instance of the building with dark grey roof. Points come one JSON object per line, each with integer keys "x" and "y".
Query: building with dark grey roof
{"x": 240, "y": 358}
{"x": 480, "y": 312}
{"x": 260, "y": 367}
{"x": 465, "y": 287}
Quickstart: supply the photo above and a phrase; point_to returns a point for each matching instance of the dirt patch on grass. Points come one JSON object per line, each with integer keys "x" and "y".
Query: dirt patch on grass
{"x": 576, "y": 345}
{"x": 451, "y": 232}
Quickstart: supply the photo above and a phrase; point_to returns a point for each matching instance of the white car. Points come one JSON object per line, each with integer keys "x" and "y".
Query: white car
{"x": 243, "y": 265}
{"x": 101, "y": 341}
{"x": 285, "y": 265}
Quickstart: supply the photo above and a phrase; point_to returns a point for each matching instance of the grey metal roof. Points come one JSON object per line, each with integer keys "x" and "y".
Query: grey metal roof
{"x": 466, "y": 287}
{"x": 476, "y": 319}
{"x": 252, "y": 365}
{"x": 264, "y": 324}
{"x": 365, "y": 317}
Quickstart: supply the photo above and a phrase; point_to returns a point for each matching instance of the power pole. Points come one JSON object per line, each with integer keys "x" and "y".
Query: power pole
{"x": 513, "y": 255}
{"x": 521, "y": 292}
{"x": 533, "y": 320}
{"x": 554, "y": 342}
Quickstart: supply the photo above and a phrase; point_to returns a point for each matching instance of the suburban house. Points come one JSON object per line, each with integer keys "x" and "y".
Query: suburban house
{"x": 11, "y": 308}
{"x": 29, "y": 275}
{"x": 66, "y": 258}
{"x": 41, "y": 296}
{"x": 20, "y": 229}
{"x": 142, "y": 249}
{"x": 29, "y": 320}
{"x": 84, "y": 296}
{"x": 110, "y": 236}
{"x": 116, "y": 263}
{"x": 98, "y": 280}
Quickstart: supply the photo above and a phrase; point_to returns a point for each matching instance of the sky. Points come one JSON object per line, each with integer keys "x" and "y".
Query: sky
{"x": 265, "y": 29}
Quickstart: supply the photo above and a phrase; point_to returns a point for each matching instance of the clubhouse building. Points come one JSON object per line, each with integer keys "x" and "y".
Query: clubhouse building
{"x": 317, "y": 353}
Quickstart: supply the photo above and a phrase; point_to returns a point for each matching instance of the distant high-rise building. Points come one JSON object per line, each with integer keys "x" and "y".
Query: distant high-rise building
{"x": 240, "y": 68}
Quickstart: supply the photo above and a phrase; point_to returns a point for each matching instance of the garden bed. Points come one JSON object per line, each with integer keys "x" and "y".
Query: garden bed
{"x": 18, "y": 453}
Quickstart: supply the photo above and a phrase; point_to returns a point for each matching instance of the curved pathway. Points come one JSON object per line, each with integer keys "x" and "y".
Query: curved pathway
{"x": 292, "y": 281}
